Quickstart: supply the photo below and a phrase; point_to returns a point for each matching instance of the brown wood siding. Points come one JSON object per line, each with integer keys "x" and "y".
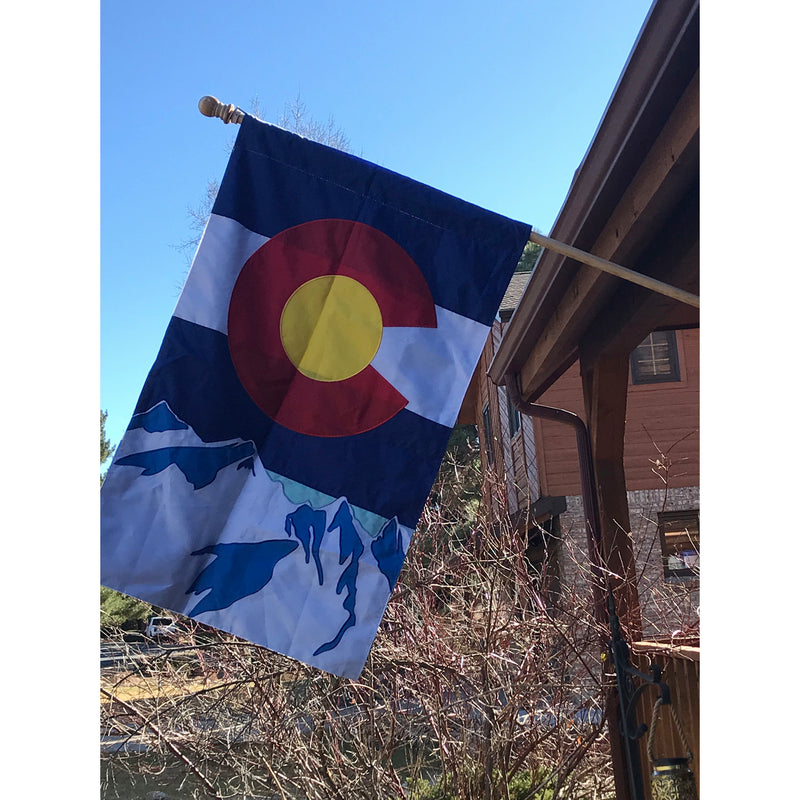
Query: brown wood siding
{"x": 529, "y": 451}
{"x": 661, "y": 418}
{"x": 515, "y": 463}
{"x": 538, "y": 436}
{"x": 520, "y": 468}
{"x": 482, "y": 400}
{"x": 494, "y": 408}
{"x": 505, "y": 438}
{"x": 487, "y": 395}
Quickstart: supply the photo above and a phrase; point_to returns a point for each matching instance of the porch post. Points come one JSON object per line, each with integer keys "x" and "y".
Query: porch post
{"x": 605, "y": 394}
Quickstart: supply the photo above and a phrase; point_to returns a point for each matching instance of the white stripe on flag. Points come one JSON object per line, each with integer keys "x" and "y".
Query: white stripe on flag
{"x": 432, "y": 367}
{"x": 225, "y": 247}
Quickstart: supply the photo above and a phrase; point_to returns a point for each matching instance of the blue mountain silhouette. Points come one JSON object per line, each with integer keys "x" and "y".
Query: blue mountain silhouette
{"x": 308, "y": 526}
{"x": 349, "y": 547}
{"x": 157, "y": 420}
{"x": 239, "y": 569}
{"x": 199, "y": 465}
{"x": 388, "y": 551}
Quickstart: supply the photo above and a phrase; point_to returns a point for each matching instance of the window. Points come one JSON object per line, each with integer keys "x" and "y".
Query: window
{"x": 655, "y": 360}
{"x": 680, "y": 543}
{"x": 487, "y": 433}
{"x": 514, "y": 419}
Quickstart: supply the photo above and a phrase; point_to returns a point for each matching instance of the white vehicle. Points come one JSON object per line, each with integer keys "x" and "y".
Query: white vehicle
{"x": 161, "y": 626}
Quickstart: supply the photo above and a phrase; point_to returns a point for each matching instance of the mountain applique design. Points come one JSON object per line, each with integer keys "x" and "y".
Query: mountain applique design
{"x": 199, "y": 465}
{"x": 242, "y": 569}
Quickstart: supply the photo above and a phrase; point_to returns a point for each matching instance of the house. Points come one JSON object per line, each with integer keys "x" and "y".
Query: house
{"x": 622, "y": 477}
{"x": 536, "y": 462}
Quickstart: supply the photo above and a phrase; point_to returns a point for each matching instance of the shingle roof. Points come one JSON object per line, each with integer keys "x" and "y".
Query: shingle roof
{"x": 513, "y": 294}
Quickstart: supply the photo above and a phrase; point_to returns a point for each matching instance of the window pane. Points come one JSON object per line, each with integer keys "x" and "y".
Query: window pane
{"x": 655, "y": 360}
{"x": 680, "y": 542}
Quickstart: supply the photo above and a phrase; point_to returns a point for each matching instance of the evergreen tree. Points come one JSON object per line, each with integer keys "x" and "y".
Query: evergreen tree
{"x": 529, "y": 256}
{"x": 106, "y": 448}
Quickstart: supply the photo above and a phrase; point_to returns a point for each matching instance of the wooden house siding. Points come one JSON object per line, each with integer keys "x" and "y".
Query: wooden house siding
{"x": 660, "y": 419}
{"x": 529, "y": 452}
{"x": 508, "y": 458}
{"x": 487, "y": 396}
{"x": 520, "y": 471}
{"x": 515, "y": 464}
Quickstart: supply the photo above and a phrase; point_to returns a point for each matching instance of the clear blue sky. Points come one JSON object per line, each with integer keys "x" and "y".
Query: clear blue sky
{"x": 495, "y": 103}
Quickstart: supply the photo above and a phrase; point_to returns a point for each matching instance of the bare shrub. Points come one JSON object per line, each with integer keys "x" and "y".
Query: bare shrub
{"x": 482, "y": 683}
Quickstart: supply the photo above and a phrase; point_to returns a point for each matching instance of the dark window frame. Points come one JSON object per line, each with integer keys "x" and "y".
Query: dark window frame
{"x": 487, "y": 433}
{"x": 514, "y": 418}
{"x": 641, "y": 377}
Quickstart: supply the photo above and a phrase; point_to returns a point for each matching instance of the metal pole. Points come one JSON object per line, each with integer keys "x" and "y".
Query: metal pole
{"x": 591, "y": 510}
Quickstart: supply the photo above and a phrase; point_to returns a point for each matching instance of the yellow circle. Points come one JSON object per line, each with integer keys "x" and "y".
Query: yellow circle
{"x": 331, "y": 328}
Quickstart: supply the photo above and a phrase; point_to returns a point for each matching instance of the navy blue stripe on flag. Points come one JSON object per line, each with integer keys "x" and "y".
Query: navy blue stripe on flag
{"x": 388, "y": 470}
{"x": 275, "y": 180}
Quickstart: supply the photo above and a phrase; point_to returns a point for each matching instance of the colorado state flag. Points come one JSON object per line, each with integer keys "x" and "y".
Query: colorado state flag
{"x": 289, "y": 432}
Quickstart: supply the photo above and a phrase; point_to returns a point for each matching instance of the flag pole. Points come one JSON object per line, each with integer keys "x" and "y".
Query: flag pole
{"x": 615, "y": 269}
{"x": 211, "y": 107}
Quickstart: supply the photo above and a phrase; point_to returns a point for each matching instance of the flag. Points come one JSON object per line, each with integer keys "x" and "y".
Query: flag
{"x": 290, "y": 429}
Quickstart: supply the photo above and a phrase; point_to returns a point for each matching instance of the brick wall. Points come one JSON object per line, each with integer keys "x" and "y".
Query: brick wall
{"x": 668, "y": 604}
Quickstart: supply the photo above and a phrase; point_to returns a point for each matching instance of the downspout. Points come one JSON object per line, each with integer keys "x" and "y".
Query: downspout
{"x": 604, "y": 607}
{"x": 591, "y": 510}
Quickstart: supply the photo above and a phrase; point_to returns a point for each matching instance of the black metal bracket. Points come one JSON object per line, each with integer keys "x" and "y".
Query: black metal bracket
{"x": 629, "y": 693}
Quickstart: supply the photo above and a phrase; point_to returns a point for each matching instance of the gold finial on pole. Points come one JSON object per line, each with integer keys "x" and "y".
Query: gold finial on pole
{"x": 211, "y": 107}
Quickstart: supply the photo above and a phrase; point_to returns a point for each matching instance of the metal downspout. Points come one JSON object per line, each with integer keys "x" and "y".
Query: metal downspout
{"x": 591, "y": 510}
{"x": 605, "y": 613}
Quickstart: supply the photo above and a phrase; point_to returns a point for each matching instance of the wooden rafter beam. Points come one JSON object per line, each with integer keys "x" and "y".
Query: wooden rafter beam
{"x": 675, "y": 254}
{"x": 663, "y": 176}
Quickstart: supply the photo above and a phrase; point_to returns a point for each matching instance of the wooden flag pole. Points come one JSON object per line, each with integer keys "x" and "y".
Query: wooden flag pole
{"x": 211, "y": 107}
{"x": 616, "y": 269}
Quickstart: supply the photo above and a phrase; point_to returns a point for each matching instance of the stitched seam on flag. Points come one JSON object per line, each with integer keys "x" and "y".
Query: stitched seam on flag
{"x": 382, "y": 203}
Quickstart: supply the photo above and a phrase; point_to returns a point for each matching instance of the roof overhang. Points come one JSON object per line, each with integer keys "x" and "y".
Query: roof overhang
{"x": 634, "y": 200}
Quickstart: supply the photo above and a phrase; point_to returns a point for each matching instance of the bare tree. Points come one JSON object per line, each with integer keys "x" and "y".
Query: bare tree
{"x": 477, "y": 686}
{"x": 296, "y": 118}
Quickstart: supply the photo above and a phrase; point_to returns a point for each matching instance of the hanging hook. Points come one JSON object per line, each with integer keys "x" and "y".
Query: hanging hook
{"x": 629, "y": 693}
{"x": 664, "y": 699}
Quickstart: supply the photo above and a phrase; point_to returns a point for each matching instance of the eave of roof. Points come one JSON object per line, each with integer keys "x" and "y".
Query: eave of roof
{"x": 661, "y": 64}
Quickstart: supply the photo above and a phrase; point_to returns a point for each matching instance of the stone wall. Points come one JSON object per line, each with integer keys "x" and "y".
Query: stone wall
{"x": 669, "y": 605}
